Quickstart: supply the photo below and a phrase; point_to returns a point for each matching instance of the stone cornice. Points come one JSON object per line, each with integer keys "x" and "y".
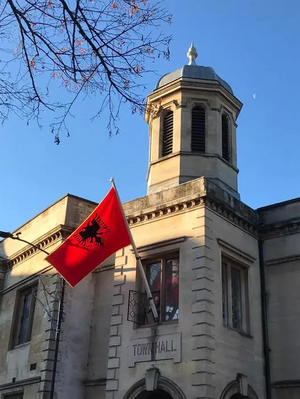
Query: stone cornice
{"x": 285, "y": 259}
{"x": 207, "y": 194}
{"x": 283, "y": 228}
{"x": 194, "y": 84}
{"x": 233, "y": 216}
{"x": 21, "y": 383}
{"x": 31, "y": 278}
{"x": 286, "y": 384}
{"x": 193, "y": 154}
{"x": 57, "y": 234}
{"x": 202, "y": 199}
{"x": 95, "y": 382}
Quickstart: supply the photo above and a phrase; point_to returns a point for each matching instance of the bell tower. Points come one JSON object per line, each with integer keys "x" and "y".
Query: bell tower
{"x": 192, "y": 117}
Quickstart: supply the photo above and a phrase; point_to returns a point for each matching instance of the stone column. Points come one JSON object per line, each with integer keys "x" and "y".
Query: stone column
{"x": 202, "y": 331}
{"x": 112, "y": 384}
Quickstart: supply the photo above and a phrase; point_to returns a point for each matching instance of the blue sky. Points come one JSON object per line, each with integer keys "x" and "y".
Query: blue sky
{"x": 252, "y": 44}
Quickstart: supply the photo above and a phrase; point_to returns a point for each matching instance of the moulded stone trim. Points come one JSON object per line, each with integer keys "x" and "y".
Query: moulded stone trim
{"x": 204, "y": 294}
{"x": 115, "y": 340}
{"x": 200, "y": 257}
{"x": 202, "y": 329}
{"x": 203, "y": 317}
{"x": 203, "y": 341}
{"x": 25, "y": 281}
{"x": 199, "y": 247}
{"x": 203, "y": 272}
{"x": 233, "y": 387}
{"x": 45, "y": 241}
{"x": 163, "y": 383}
{"x": 21, "y": 383}
{"x": 112, "y": 352}
{"x": 160, "y": 244}
{"x": 204, "y": 353}
{"x": 118, "y": 299}
{"x": 121, "y": 261}
{"x": 206, "y": 392}
{"x": 113, "y": 363}
{"x": 115, "y": 310}
{"x": 203, "y": 282}
{"x": 202, "y": 378}
{"x": 286, "y": 227}
{"x": 112, "y": 385}
{"x": 204, "y": 366}
{"x": 285, "y": 259}
{"x": 119, "y": 279}
{"x": 237, "y": 251}
{"x": 204, "y": 236}
{"x": 116, "y": 290}
{"x": 116, "y": 320}
{"x": 114, "y": 330}
{"x": 111, "y": 374}
{"x": 202, "y": 306}
{"x": 287, "y": 384}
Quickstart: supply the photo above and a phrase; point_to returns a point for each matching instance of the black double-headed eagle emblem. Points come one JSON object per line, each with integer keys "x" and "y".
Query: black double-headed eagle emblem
{"x": 93, "y": 233}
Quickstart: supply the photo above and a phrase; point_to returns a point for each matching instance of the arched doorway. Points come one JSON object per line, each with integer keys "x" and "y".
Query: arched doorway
{"x": 165, "y": 389}
{"x": 231, "y": 391}
{"x": 158, "y": 394}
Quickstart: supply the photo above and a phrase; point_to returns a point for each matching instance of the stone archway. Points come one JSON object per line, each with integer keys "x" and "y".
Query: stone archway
{"x": 231, "y": 391}
{"x": 166, "y": 389}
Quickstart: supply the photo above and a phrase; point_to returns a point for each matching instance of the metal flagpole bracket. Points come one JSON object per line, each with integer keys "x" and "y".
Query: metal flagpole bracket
{"x": 138, "y": 258}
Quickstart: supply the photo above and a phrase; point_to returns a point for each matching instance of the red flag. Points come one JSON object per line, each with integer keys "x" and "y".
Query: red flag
{"x": 102, "y": 234}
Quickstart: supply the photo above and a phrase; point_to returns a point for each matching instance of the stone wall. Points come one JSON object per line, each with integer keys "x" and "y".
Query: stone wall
{"x": 281, "y": 234}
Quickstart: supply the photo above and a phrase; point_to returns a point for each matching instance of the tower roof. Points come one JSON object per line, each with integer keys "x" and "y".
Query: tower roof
{"x": 193, "y": 71}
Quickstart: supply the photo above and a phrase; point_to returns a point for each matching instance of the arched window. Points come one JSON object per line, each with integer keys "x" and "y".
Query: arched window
{"x": 225, "y": 138}
{"x": 167, "y": 134}
{"x": 198, "y": 129}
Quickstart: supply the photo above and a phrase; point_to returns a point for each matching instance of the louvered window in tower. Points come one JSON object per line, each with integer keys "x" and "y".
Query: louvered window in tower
{"x": 167, "y": 134}
{"x": 225, "y": 138}
{"x": 198, "y": 130}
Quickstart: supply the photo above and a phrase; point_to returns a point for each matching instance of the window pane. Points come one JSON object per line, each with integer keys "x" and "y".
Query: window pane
{"x": 172, "y": 289}
{"x": 154, "y": 279}
{"x": 154, "y": 276}
{"x": 224, "y": 293}
{"x": 24, "y": 322}
{"x": 236, "y": 298}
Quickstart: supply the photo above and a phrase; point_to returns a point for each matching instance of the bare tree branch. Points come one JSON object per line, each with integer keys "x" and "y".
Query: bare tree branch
{"x": 89, "y": 47}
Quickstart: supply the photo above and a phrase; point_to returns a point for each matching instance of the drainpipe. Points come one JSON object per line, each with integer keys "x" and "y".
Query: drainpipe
{"x": 265, "y": 333}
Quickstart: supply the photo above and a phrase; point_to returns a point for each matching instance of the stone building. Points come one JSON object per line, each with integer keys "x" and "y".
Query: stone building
{"x": 224, "y": 277}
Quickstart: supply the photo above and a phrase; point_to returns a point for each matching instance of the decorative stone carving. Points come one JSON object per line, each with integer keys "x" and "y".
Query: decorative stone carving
{"x": 243, "y": 383}
{"x": 151, "y": 379}
{"x": 155, "y": 110}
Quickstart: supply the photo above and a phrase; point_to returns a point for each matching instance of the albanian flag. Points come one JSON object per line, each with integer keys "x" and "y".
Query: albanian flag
{"x": 102, "y": 234}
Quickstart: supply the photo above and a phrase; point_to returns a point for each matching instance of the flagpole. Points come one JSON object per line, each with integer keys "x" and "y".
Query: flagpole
{"x": 137, "y": 257}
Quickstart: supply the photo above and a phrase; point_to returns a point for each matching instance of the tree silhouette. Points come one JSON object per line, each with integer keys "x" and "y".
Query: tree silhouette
{"x": 87, "y": 47}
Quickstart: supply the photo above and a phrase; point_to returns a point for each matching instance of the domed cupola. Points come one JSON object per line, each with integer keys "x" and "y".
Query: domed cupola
{"x": 193, "y": 71}
{"x": 192, "y": 126}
